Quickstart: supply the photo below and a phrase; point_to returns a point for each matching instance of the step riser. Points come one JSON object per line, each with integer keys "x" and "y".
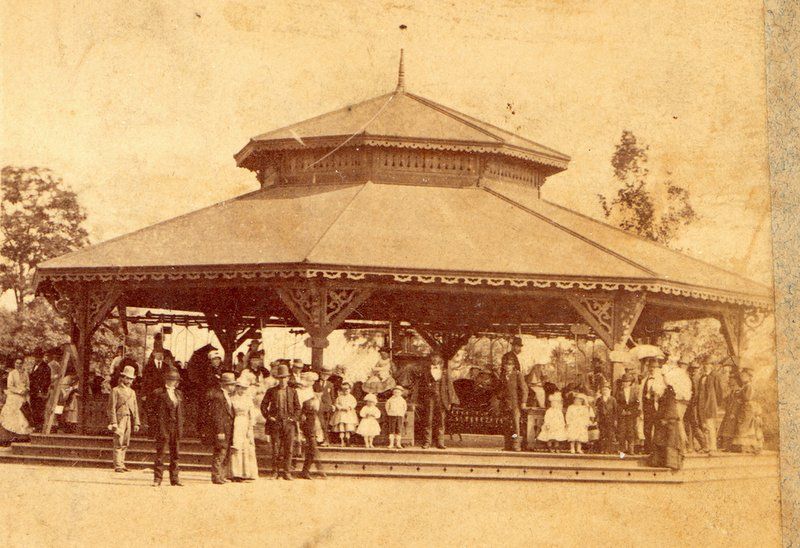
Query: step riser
{"x": 105, "y": 454}
{"x": 363, "y": 457}
{"x": 382, "y": 471}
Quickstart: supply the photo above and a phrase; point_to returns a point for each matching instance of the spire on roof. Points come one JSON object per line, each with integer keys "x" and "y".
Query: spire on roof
{"x": 401, "y": 74}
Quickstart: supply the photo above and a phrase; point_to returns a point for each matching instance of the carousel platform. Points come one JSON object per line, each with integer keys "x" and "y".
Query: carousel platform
{"x": 478, "y": 463}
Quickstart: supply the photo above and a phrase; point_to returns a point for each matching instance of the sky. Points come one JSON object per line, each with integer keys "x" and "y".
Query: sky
{"x": 140, "y": 106}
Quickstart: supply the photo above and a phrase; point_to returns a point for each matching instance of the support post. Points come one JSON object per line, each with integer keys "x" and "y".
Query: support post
{"x": 731, "y": 323}
{"x": 86, "y": 307}
{"x": 320, "y": 309}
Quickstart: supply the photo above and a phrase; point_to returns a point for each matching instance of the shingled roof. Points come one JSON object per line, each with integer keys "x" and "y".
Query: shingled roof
{"x": 403, "y": 119}
{"x": 496, "y": 233}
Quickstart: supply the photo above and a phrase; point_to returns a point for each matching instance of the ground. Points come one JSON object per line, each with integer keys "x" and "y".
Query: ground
{"x": 65, "y": 507}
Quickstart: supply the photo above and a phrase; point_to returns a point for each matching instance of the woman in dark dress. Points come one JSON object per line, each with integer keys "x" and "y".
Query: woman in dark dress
{"x": 749, "y": 437}
{"x": 667, "y": 443}
{"x": 727, "y": 428}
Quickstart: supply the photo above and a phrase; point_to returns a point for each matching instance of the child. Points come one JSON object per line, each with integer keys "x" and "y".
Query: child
{"x": 309, "y": 424}
{"x": 606, "y": 419}
{"x": 554, "y": 427}
{"x": 344, "y": 420}
{"x": 396, "y": 408}
{"x": 67, "y": 408}
{"x": 577, "y": 423}
{"x": 123, "y": 414}
{"x": 368, "y": 428}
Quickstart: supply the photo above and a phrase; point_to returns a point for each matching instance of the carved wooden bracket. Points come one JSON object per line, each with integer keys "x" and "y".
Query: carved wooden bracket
{"x": 612, "y": 317}
{"x": 86, "y": 307}
{"x": 321, "y": 309}
{"x": 445, "y": 343}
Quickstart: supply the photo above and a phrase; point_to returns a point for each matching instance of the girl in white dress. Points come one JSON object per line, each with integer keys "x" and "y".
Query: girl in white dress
{"x": 17, "y": 393}
{"x": 243, "y": 464}
{"x": 554, "y": 428}
{"x": 368, "y": 428}
{"x": 578, "y": 420}
{"x": 344, "y": 420}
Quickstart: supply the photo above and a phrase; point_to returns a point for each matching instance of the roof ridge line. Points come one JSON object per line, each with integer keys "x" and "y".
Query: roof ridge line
{"x": 455, "y": 115}
{"x": 338, "y": 216}
{"x": 663, "y": 246}
{"x": 334, "y": 111}
{"x": 473, "y": 120}
{"x": 571, "y": 232}
{"x": 159, "y": 223}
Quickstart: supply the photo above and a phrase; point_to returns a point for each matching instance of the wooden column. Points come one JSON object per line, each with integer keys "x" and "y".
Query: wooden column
{"x": 86, "y": 306}
{"x": 320, "y": 309}
{"x": 611, "y": 315}
{"x": 731, "y": 325}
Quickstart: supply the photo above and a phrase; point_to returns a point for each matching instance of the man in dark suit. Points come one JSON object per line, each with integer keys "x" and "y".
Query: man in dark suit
{"x": 40, "y": 379}
{"x": 153, "y": 379}
{"x": 627, "y": 414}
{"x": 220, "y": 413}
{"x": 437, "y": 394}
{"x": 709, "y": 397}
{"x": 281, "y": 408}
{"x": 325, "y": 387}
{"x": 515, "y": 394}
{"x": 168, "y": 411}
{"x": 650, "y": 395}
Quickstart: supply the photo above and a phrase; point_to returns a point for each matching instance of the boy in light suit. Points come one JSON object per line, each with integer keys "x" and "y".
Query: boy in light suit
{"x": 123, "y": 416}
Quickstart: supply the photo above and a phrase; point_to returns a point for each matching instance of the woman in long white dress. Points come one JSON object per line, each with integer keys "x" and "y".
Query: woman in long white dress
{"x": 17, "y": 393}
{"x": 243, "y": 464}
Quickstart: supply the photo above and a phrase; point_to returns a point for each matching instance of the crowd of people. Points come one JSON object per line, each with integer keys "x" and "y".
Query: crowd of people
{"x": 659, "y": 406}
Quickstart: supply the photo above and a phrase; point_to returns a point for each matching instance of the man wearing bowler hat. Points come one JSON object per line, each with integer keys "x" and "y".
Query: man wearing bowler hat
{"x": 123, "y": 416}
{"x": 221, "y": 418}
{"x": 281, "y": 408}
{"x": 168, "y": 426}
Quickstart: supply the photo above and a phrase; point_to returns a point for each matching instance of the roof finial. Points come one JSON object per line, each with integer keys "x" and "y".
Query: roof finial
{"x": 401, "y": 74}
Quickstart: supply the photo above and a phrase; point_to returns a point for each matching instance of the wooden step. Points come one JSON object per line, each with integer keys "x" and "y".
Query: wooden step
{"x": 457, "y": 463}
{"x": 389, "y": 470}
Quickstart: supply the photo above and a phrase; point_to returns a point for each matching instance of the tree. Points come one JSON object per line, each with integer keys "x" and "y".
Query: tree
{"x": 39, "y": 219}
{"x": 656, "y": 210}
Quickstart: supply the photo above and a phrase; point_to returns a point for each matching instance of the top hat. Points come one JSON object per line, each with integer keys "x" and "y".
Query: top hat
{"x": 516, "y": 341}
{"x": 280, "y": 371}
{"x": 626, "y": 378}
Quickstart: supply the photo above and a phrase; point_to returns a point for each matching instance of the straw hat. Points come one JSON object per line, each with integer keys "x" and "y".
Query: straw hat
{"x": 243, "y": 383}
{"x": 128, "y": 372}
{"x": 214, "y": 354}
{"x": 371, "y": 397}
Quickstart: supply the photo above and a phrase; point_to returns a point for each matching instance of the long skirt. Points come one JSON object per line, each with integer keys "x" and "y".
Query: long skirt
{"x": 11, "y": 417}
{"x": 667, "y": 445}
{"x": 749, "y": 436}
{"x": 243, "y": 462}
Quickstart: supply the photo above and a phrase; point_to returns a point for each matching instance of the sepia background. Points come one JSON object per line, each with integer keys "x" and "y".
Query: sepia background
{"x": 140, "y": 107}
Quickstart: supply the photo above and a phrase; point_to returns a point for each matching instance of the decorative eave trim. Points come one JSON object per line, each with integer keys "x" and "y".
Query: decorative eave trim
{"x": 250, "y": 273}
{"x": 558, "y": 163}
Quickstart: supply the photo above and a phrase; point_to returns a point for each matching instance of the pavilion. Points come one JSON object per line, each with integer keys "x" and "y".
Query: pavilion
{"x": 398, "y": 209}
